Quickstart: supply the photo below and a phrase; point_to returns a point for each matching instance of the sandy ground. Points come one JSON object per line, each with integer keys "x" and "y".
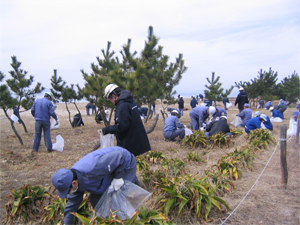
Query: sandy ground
{"x": 269, "y": 202}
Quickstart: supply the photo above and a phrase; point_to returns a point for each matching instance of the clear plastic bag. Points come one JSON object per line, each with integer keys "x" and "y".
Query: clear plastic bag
{"x": 106, "y": 140}
{"x": 59, "y": 144}
{"x": 228, "y": 104}
{"x": 236, "y": 121}
{"x": 14, "y": 118}
{"x": 53, "y": 126}
{"x": 126, "y": 200}
{"x": 276, "y": 119}
{"x": 292, "y": 128}
{"x": 188, "y": 131}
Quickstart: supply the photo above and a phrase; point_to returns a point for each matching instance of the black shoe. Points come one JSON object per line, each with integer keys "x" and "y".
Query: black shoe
{"x": 49, "y": 151}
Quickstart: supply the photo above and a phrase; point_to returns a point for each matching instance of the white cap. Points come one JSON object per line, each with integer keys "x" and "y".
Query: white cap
{"x": 271, "y": 108}
{"x": 241, "y": 89}
{"x": 211, "y": 110}
{"x": 223, "y": 117}
{"x": 257, "y": 113}
{"x": 264, "y": 117}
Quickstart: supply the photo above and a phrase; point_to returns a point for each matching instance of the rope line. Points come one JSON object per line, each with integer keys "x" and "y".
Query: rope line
{"x": 254, "y": 183}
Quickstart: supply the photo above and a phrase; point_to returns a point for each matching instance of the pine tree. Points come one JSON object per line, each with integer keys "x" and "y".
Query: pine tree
{"x": 215, "y": 92}
{"x": 148, "y": 77}
{"x": 8, "y": 102}
{"x": 58, "y": 85}
{"x": 20, "y": 85}
{"x": 290, "y": 87}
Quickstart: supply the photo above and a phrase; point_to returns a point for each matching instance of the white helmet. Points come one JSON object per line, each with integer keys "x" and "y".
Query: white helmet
{"x": 211, "y": 110}
{"x": 223, "y": 118}
{"x": 264, "y": 117}
{"x": 174, "y": 112}
{"x": 271, "y": 108}
{"x": 257, "y": 113}
{"x": 241, "y": 89}
{"x": 109, "y": 89}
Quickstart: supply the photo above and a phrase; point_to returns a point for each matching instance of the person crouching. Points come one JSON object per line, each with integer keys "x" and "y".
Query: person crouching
{"x": 173, "y": 128}
{"x": 218, "y": 126}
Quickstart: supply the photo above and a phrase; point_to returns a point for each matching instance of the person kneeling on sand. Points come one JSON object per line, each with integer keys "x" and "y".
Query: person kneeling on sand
{"x": 218, "y": 126}
{"x": 254, "y": 123}
{"x": 173, "y": 128}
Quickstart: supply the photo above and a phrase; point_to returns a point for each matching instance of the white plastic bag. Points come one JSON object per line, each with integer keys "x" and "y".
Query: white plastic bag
{"x": 53, "y": 126}
{"x": 188, "y": 131}
{"x": 292, "y": 128}
{"x": 59, "y": 144}
{"x": 276, "y": 119}
{"x": 106, "y": 140}
{"x": 237, "y": 121}
{"x": 263, "y": 126}
{"x": 228, "y": 104}
{"x": 14, "y": 118}
{"x": 126, "y": 200}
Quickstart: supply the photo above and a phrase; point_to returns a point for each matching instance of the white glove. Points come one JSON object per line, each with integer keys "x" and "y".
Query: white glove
{"x": 117, "y": 183}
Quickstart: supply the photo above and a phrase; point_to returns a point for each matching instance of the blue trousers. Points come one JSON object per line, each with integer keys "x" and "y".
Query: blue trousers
{"x": 194, "y": 122}
{"x": 176, "y": 133}
{"x": 39, "y": 126}
{"x": 181, "y": 111}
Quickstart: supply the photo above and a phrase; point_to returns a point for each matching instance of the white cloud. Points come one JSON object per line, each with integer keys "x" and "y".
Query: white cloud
{"x": 234, "y": 39}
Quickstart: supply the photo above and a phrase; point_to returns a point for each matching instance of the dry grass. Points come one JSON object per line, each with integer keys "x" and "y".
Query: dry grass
{"x": 268, "y": 203}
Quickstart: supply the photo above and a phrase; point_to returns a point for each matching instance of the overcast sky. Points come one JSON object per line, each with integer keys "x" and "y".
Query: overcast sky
{"x": 233, "y": 38}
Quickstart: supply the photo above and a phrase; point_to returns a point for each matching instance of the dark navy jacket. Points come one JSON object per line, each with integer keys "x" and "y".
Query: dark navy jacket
{"x": 218, "y": 126}
{"x": 129, "y": 128}
{"x": 194, "y": 103}
{"x": 241, "y": 99}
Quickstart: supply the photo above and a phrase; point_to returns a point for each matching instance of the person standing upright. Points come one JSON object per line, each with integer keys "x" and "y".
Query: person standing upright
{"x": 194, "y": 102}
{"x": 225, "y": 100}
{"x": 241, "y": 99}
{"x": 42, "y": 109}
{"x": 129, "y": 129}
{"x": 181, "y": 105}
{"x": 201, "y": 97}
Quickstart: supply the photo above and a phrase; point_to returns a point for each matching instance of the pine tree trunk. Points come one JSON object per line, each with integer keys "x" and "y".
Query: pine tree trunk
{"x": 13, "y": 127}
{"x": 69, "y": 114}
{"x": 163, "y": 115}
{"x": 153, "y": 125}
{"x": 23, "y": 124}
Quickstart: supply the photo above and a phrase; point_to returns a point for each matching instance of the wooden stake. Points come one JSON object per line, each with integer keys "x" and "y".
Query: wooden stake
{"x": 298, "y": 130}
{"x": 284, "y": 177}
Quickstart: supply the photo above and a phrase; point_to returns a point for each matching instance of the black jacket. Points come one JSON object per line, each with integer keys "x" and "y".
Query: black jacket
{"x": 77, "y": 122}
{"x": 129, "y": 128}
{"x": 218, "y": 126}
{"x": 241, "y": 99}
{"x": 181, "y": 103}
